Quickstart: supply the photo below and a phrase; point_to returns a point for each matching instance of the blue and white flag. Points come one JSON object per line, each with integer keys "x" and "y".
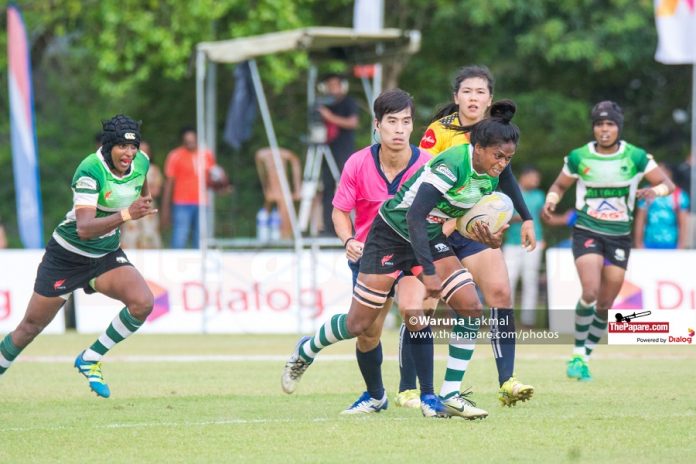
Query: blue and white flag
{"x": 23, "y": 132}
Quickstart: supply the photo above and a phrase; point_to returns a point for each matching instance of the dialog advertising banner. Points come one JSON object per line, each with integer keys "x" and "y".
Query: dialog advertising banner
{"x": 660, "y": 282}
{"x": 243, "y": 292}
{"x": 17, "y": 274}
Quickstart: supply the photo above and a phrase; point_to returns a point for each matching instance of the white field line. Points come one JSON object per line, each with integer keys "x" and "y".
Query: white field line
{"x": 223, "y": 422}
{"x": 135, "y": 425}
{"x": 325, "y": 358}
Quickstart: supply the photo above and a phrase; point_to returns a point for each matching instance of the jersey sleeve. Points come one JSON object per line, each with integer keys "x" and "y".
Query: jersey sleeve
{"x": 86, "y": 185}
{"x": 345, "y": 196}
{"x": 646, "y": 163}
{"x": 570, "y": 164}
{"x": 432, "y": 140}
{"x": 441, "y": 173}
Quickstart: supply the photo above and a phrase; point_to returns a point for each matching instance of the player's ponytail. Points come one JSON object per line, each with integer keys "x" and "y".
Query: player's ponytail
{"x": 497, "y": 128}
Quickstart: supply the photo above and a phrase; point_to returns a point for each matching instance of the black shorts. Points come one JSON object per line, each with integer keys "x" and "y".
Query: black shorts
{"x": 614, "y": 248}
{"x": 386, "y": 252}
{"x": 62, "y": 271}
{"x": 464, "y": 247}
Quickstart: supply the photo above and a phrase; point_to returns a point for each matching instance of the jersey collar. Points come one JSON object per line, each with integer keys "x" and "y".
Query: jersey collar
{"x": 393, "y": 186}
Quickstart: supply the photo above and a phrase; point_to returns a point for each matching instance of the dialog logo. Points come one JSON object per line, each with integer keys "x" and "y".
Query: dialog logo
{"x": 161, "y": 306}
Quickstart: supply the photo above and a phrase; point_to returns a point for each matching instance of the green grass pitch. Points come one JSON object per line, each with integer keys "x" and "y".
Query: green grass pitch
{"x": 207, "y": 401}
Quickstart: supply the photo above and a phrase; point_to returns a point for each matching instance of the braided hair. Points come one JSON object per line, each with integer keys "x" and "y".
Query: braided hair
{"x": 117, "y": 130}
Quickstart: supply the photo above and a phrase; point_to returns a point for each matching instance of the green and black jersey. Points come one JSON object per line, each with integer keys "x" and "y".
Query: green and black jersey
{"x": 452, "y": 174}
{"x": 95, "y": 185}
{"x": 606, "y": 186}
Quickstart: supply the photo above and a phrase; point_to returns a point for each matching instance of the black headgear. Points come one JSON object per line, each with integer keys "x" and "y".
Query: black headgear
{"x": 610, "y": 110}
{"x": 119, "y": 129}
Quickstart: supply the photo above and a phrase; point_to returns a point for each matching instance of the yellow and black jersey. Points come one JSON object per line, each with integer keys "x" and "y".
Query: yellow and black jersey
{"x": 441, "y": 135}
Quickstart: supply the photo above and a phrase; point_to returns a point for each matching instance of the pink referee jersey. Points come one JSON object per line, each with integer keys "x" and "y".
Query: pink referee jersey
{"x": 364, "y": 188}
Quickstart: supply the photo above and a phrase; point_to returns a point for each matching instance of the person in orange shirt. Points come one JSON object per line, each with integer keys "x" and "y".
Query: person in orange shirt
{"x": 180, "y": 199}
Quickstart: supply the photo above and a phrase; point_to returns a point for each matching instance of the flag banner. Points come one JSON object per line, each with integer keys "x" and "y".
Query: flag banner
{"x": 676, "y": 30}
{"x": 23, "y": 133}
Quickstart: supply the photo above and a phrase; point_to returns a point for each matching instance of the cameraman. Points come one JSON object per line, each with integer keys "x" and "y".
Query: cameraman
{"x": 341, "y": 118}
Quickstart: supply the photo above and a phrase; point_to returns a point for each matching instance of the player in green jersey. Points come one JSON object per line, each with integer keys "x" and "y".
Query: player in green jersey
{"x": 607, "y": 171}
{"x": 109, "y": 188}
{"x": 407, "y": 237}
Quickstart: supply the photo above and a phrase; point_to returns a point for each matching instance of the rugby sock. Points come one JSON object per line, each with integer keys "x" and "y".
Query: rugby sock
{"x": 334, "y": 330}
{"x": 583, "y": 318}
{"x": 503, "y": 341}
{"x": 597, "y": 330}
{"x": 370, "y": 363}
{"x": 461, "y": 348}
{"x": 423, "y": 351}
{"x": 407, "y": 367}
{"x": 8, "y": 353}
{"x": 122, "y": 327}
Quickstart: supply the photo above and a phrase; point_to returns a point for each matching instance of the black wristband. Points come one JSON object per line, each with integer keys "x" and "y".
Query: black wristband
{"x": 345, "y": 244}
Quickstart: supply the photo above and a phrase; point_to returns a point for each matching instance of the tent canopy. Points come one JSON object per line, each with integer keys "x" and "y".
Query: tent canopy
{"x": 311, "y": 39}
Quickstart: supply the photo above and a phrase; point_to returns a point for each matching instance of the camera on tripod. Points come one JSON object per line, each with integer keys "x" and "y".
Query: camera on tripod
{"x": 318, "y": 132}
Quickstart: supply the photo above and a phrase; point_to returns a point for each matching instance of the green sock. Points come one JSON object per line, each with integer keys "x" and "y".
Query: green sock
{"x": 597, "y": 330}
{"x": 8, "y": 353}
{"x": 123, "y": 325}
{"x": 461, "y": 348}
{"x": 333, "y": 331}
{"x": 583, "y": 318}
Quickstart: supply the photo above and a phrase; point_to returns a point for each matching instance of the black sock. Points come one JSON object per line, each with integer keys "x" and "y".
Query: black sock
{"x": 370, "y": 364}
{"x": 422, "y": 351}
{"x": 503, "y": 341}
{"x": 407, "y": 367}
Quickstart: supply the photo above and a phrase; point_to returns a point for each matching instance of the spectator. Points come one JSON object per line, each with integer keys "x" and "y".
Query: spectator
{"x": 522, "y": 262}
{"x": 180, "y": 199}
{"x": 145, "y": 233}
{"x": 341, "y": 119}
{"x": 662, "y": 222}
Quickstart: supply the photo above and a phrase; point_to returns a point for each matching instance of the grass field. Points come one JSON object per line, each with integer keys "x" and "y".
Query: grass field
{"x": 210, "y": 401}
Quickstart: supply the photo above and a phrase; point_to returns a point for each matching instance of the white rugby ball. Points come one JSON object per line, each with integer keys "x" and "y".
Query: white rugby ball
{"x": 495, "y": 209}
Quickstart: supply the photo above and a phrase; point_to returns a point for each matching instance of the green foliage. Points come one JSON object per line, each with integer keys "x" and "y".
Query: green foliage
{"x": 555, "y": 59}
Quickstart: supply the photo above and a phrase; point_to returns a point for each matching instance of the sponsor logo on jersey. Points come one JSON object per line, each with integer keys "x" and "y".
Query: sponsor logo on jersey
{"x": 107, "y": 195}
{"x": 386, "y": 260}
{"x": 121, "y": 259}
{"x": 429, "y": 139}
{"x": 589, "y": 243}
{"x": 441, "y": 247}
{"x": 435, "y": 219}
{"x": 606, "y": 206}
{"x": 586, "y": 170}
{"x": 129, "y": 136}
{"x": 58, "y": 284}
{"x": 620, "y": 254}
{"x": 86, "y": 183}
{"x": 445, "y": 171}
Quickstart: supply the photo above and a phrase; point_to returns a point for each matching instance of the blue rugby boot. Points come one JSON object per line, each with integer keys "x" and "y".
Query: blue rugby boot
{"x": 92, "y": 370}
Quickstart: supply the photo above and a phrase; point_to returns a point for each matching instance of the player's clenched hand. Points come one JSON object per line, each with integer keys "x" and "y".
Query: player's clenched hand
{"x": 433, "y": 285}
{"x": 141, "y": 207}
{"x": 354, "y": 250}
{"x": 482, "y": 234}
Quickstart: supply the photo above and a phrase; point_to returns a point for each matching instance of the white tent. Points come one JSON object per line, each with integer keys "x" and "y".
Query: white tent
{"x": 363, "y": 47}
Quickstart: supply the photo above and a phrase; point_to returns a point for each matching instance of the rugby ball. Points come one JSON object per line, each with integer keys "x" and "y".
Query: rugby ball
{"x": 495, "y": 209}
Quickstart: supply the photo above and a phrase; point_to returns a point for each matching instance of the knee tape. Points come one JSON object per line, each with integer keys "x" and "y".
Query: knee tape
{"x": 454, "y": 282}
{"x": 368, "y": 296}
